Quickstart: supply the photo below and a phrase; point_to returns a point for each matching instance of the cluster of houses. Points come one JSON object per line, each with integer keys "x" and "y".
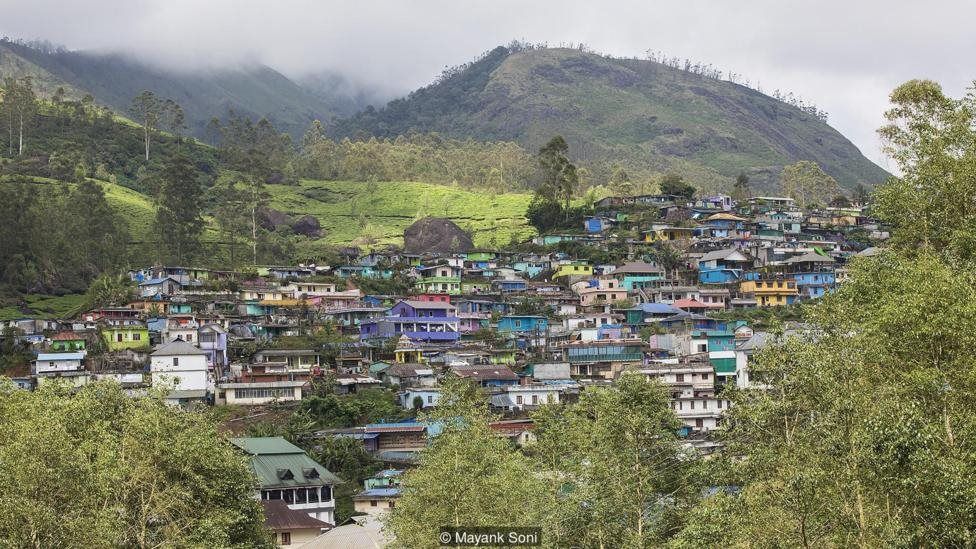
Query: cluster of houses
{"x": 530, "y": 328}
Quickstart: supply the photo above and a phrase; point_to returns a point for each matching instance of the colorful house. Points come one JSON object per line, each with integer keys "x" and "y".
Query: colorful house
{"x": 769, "y": 292}
{"x": 723, "y": 266}
{"x": 523, "y": 324}
{"x": 127, "y": 334}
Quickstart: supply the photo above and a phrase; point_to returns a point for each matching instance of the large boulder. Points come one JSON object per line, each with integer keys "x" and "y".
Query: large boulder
{"x": 307, "y": 225}
{"x": 435, "y": 235}
{"x": 271, "y": 219}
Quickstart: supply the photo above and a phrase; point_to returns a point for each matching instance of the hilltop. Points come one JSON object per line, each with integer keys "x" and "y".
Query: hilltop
{"x": 256, "y": 91}
{"x": 641, "y": 114}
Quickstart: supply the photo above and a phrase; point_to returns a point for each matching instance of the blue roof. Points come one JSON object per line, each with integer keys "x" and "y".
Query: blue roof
{"x": 658, "y": 308}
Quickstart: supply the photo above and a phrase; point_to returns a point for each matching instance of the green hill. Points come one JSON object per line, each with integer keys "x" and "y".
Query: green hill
{"x": 641, "y": 114}
{"x": 377, "y": 213}
{"x": 255, "y": 91}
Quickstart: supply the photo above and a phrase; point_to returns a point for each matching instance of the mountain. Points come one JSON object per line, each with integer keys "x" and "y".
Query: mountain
{"x": 256, "y": 91}
{"x": 644, "y": 115}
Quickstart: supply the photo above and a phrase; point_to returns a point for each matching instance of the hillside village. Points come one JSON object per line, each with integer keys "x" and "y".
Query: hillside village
{"x": 527, "y": 328}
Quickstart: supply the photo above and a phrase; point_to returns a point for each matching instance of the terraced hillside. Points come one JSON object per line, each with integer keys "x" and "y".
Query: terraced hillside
{"x": 377, "y": 213}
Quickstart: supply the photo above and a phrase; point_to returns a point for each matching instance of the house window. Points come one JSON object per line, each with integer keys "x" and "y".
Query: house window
{"x": 326, "y": 493}
{"x": 535, "y": 399}
{"x": 176, "y": 361}
{"x": 286, "y": 538}
{"x": 679, "y": 378}
{"x": 518, "y": 399}
{"x": 136, "y": 336}
{"x": 189, "y": 337}
{"x": 372, "y": 503}
{"x": 118, "y": 337}
{"x": 430, "y": 399}
{"x": 692, "y": 404}
{"x": 699, "y": 423}
{"x": 301, "y": 496}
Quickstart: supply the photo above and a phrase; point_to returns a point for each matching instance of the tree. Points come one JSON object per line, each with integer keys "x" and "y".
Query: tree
{"x": 674, "y": 184}
{"x": 806, "y": 183}
{"x": 860, "y": 436}
{"x": 121, "y": 471}
{"x": 147, "y": 109}
{"x": 620, "y": 182}
{"x": 467, "y": 476}
{"x": 933, "y": 139}
{"x": 100, "y": 237}
{"x": 349, "y": 460}
{"x": 19, "y": 106}
{"x": 861, "y": 194}
{"x": 109, "y": 290}
{"x": 741, "y": 190}
{"x": 560, "y": 178}
{"x": 179, "y": 221}
{"x": 616, "y": 474}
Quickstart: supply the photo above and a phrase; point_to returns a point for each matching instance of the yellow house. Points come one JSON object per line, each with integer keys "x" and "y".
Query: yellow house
{"x": 771, "y": 292}
{"x": 573, "y": 269}
{"x": 668, "y": 233}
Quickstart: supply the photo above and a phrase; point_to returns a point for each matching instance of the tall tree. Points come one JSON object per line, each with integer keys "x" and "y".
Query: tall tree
{"x": 674, "y": 184}
{"x": 741, "y": 190}
{"x": 617, "y": 475}
{"x": 807, "y": 183}
{"x": 467, "y": 476}
{"x": 112, "y": 470}
{"x": 147, "y": 108}
{"x": 19, "y": 106}
{"x": 179, "y": 221}
{"x": 560, "y": 178}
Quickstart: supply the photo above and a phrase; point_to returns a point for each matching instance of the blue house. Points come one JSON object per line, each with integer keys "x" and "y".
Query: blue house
{"x": 510, "y": 285}
{"x": 430, "y": 321}
{"x": 814, "y": 274}
{"x": 523, "y": 324}
{"x": 723, "y": 267}
{"x": 597, "y": 224}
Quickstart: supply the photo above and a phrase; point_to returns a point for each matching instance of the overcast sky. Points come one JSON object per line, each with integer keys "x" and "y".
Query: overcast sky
{"x": 845, "y": 56}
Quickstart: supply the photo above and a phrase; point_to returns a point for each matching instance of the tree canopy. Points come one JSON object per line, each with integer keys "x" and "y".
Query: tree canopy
{"x": 95, "y": 467}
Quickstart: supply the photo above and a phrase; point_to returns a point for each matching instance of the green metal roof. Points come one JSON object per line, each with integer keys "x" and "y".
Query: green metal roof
{"x": 273, "y": 457}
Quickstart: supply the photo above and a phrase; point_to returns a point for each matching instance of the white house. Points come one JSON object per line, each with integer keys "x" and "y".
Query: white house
{"x": 526, "y": 397}
{"x": 428, "y": 396}
{"x": 182, "y": 367}
{"x": 260, "y": 392}
{"x": 56, "y": 363}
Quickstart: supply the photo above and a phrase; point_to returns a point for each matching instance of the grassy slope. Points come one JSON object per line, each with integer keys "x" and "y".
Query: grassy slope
{"x": 636, "y": 112}
{"x": 340, "y": 206}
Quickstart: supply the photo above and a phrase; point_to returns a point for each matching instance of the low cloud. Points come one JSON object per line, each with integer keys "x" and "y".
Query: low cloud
{"x": 844, "y": 56}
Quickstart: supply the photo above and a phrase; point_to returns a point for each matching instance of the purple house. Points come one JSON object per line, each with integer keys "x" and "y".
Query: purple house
{"x": 428, "y": 321}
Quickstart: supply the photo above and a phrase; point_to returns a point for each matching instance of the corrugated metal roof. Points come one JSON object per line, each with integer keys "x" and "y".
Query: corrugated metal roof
{"x": 272, "y": 457}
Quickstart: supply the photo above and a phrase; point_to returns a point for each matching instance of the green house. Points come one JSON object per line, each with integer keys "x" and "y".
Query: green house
{"x": 67, "y": 342}
{"x": 126, "y": 336}
{"x": 285, "y": 472}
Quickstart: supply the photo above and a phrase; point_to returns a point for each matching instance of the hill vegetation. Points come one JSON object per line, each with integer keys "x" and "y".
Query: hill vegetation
{"x": 254, "y": 91}
{"x": 649, "y": 117}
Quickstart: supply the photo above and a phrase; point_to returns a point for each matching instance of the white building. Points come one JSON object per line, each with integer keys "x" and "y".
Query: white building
{"x": 183, "y": 368}
{"x": 427, "y": 395}
{"x": 526, "y": 397}
{"x": 257, "y": 393}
